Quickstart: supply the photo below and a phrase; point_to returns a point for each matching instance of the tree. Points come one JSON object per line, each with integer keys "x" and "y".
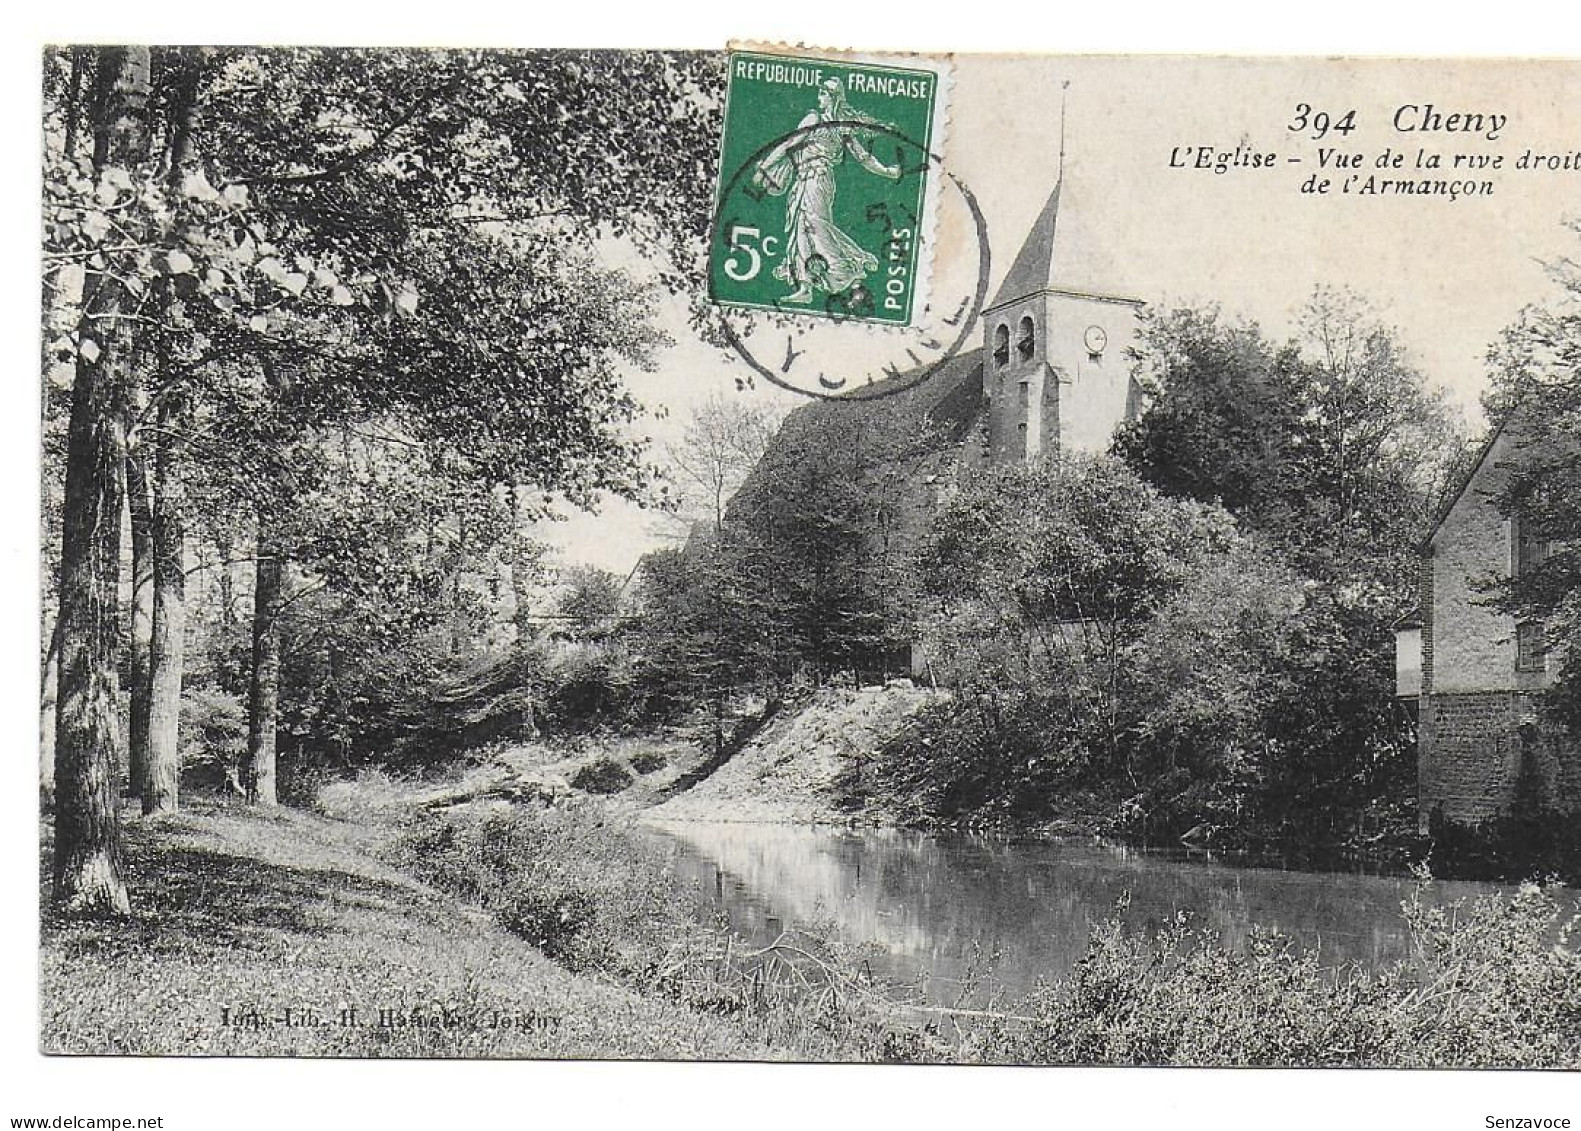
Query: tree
{"x": 460, "y": 303}
{"x": 1332, "y": 447}
{"x": 354, "y": 188}
{"x": 591, "y": 601}
{"x": 1536, "y": 369}
{"x": 87, "y": 861}
{"x": 722, "y": 443}
{"x": 1332, "y": 451}
{"x": 1379, "y": 448}
{"x": 1223, "y": 413}
{"x": 1045, "y": 576}
{"x": 819, "y": 542}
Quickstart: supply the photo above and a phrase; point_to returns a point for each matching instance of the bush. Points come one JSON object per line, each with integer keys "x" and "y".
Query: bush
{"x": 1486, "y": 987}
{"x": 582, "y": 890}
{"x": 213, "y": 736}
{"x": 604, "y": 776}
{"x": 649, "y": 761}
{"x": 598, "y": 897}
{"x": 591, "y": 686}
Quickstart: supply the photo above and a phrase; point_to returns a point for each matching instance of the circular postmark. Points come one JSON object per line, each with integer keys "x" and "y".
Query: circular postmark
{"x": 839, "y": 326}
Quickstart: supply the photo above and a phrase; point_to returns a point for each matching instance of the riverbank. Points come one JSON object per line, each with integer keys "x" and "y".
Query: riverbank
{"x": 1482, "y": 983}
{"x": 387, "y": 924}
{"x": 242, "y": 916}
{"x": 835, "y": 756}
{"x": 809, "y": 763}
{"x": 1489, "y": 981}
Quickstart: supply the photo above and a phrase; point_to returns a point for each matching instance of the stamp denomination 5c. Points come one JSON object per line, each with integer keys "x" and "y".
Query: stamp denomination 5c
{"x": 827, "y": 178}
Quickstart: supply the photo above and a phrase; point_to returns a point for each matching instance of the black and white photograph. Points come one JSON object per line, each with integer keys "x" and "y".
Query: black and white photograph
{"x": 774, "y": 553}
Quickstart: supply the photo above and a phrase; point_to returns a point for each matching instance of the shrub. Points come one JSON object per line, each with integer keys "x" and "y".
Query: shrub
{"x": 595, "y": 896}
{"x": 1486, "y": 987}
{"x": 584, "y": 891}
{"x": 649, "y": 761}
{"x": 603, "y": 775}
{"x": 590, "y": 686}
{"x": 213, "y": 736}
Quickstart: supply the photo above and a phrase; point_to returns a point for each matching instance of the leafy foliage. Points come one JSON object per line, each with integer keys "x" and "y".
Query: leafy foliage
{"x": 603, "y": 775}
{"x": 1331, "y": 446}
{"x": 649, "y": 761}
{"x": 1486, "y": 987}
{"x": 1074, "y": 607}
{"x": 591, "y": 601}
{"x": 1536, "y": 367}
{"x": 603, "y": 899}
{"x": 363, "y": 307}
{"x": 1334, "y": 454}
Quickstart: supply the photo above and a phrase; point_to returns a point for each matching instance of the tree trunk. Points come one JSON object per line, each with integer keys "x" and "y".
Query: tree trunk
{"x": 167, "y": 528}
{"x": 138, "y": 484}
{"x": 167, "y": 650}
{"x": 49, "y": 688}
{"x": 224, "y": 547}
{"x": 87, "y": 858}
{"x": 263, "y": 700}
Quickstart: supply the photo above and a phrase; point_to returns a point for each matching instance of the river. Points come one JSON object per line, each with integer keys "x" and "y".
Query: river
{"x": 927, "y": 902}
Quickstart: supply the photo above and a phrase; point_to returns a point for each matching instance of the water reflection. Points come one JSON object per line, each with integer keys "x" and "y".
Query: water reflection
{"x": 925, "y": 901}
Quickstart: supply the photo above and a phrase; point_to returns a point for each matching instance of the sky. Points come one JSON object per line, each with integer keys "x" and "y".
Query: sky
{"x": 1448, "y": 273}
{"x": 1159, "y": 224}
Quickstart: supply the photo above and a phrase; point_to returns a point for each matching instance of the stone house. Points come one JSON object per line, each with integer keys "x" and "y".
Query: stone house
{"x": 1475, "y": 673}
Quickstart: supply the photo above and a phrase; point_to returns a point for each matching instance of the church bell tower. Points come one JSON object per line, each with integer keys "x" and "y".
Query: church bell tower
{"x": 1056, "y": 374}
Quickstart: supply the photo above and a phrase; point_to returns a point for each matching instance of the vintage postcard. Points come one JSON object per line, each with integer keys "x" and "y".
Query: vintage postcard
{"x": 789, "y": 554}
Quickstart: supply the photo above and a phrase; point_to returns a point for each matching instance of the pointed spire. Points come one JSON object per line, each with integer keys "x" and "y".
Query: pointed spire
{"x": 1084, "y": 266}
{"x": 1064, "y": 89}
{"x": 1033, "y": 269}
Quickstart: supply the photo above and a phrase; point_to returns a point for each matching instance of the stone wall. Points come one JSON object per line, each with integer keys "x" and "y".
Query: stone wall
{"x": 1062, "y": 396}
{"x": 1474, "y": 746}
{"x": 1473, "y": 645}
{"x": 1480, "y": 717}
{"x": 1470, "y": 755}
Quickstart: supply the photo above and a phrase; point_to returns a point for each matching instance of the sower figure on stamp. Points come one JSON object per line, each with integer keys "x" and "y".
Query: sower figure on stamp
{"x": 817, "y": 253}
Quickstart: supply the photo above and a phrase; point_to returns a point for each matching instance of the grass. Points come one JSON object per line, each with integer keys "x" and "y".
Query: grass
{"x": 597, "y": 896}
{"x": 570, "y": 924}
{"x": 237, "y": 910}
{"x": 1491, "y": 982}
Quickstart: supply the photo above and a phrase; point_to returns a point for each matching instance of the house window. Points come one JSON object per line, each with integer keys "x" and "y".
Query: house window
{"x": 1025, "y": 340}
{"x": 1001, "y": 344}
{"x": 1529, "y": 650}
{"x": 1531, "y": 549}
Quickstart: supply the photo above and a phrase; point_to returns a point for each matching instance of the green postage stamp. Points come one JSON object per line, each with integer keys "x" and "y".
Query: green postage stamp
{"x": 829, "y": 166}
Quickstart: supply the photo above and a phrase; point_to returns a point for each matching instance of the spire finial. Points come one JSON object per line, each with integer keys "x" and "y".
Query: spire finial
{"x": 1060, "y": 172}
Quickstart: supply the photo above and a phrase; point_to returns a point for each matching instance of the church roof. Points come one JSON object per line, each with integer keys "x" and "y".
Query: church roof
{"x": 1061, "y": 254}
{"x": 1033, "y": 269}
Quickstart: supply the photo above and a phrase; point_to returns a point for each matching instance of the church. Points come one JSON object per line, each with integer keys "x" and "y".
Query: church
{"x": 1052, "y": 374}
{"x": 1054, "y": 365}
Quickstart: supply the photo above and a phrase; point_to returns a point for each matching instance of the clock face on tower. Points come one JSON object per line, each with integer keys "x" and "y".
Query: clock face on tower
{"x": 1095, "y": 339}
